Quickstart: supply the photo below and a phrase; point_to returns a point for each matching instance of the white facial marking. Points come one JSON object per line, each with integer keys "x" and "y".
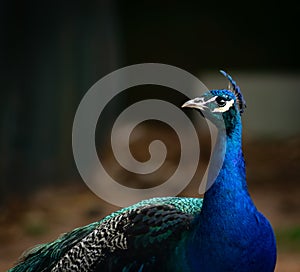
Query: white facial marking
{"x": 226, "y": 107}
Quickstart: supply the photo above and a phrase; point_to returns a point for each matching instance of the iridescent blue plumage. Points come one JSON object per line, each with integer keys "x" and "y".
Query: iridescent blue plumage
{"x": 231, "y": 234}
{"x": 222, "y": 232}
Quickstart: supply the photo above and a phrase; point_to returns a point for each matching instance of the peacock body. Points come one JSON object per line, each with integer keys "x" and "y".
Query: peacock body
{"x": 222, "y": 232}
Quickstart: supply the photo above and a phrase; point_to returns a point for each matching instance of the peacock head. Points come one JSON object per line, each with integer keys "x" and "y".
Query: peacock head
{"x": 220, "y": 106}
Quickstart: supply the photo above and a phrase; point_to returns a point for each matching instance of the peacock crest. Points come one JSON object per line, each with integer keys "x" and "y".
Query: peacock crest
{"x": 235, "y": 89}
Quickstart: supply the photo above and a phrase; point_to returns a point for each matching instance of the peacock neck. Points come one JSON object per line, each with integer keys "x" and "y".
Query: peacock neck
{"x": 229, "y": 231}
{"x": 230, "y": 185}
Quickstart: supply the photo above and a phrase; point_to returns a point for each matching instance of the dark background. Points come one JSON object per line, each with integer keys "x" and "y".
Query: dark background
{"x": 52, "y": 53}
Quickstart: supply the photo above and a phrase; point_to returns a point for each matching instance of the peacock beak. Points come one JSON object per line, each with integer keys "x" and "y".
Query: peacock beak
{"x": 196, "y": 103}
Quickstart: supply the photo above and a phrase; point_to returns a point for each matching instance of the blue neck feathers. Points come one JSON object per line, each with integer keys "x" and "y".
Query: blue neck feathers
{"x": 229, "y": 223}
{"x": 230, "y": 183}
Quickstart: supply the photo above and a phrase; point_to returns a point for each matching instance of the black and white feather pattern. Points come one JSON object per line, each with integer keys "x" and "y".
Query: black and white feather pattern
{"x": 105, "y": 239}
{"x": 152, "y": 223}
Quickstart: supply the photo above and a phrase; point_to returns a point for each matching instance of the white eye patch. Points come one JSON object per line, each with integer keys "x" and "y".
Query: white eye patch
{"x": 226, "y": 107}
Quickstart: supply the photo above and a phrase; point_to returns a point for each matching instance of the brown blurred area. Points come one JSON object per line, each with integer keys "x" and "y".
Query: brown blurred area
{"x": 51, "y": 54}
{"x": 55, "y": 209}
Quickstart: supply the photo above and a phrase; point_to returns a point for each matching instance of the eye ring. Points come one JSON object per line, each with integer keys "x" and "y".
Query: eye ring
{"x": 221, "y": 101}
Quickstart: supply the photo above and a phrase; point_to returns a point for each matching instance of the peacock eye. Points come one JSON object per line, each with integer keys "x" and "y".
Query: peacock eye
{"x": 221, "y": 101}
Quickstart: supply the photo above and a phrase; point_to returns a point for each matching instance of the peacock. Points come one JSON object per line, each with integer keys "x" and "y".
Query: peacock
{"x": 224, "y": 231}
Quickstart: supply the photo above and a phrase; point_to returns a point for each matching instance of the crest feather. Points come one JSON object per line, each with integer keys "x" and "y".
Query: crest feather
{"x": 235, "y": 89}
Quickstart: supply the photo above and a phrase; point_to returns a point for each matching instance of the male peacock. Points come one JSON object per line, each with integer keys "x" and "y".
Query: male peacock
{"x": 223, "y": 232}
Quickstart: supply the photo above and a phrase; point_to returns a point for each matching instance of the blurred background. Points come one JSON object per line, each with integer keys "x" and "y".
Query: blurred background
{"x": 53, "y": 52}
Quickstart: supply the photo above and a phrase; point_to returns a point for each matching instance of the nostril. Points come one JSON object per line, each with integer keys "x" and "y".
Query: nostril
{"x": 197, "y": 100}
